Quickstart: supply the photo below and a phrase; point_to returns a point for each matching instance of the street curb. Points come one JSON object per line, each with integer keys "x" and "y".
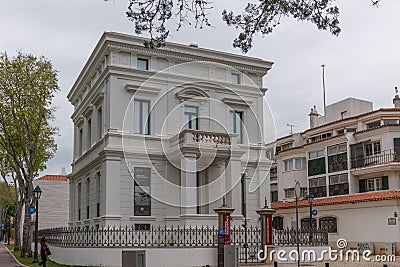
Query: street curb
{"x": 14, "y": 257}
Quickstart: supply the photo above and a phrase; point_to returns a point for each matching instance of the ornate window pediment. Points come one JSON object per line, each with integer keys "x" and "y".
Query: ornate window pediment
{"x": 192, "y": 93}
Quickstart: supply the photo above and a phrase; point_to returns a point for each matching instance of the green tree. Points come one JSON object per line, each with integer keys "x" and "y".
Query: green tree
{"x": 27, "y": 86}
{"x": 262, "y": 17}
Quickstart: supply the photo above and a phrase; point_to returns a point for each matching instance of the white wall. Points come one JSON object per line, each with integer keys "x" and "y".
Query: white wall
{"x": 155, "y": 257}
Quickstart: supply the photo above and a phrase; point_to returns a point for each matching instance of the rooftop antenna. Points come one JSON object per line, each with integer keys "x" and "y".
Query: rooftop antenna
{"x": 323, "y": 87}
{"x": 291, "y": 127}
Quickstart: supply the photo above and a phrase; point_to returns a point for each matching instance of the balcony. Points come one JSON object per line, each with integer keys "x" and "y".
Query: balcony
{"x": 203, "y": 143}
{"x": 197, "y": 137}
{"x": 384, "y": 161}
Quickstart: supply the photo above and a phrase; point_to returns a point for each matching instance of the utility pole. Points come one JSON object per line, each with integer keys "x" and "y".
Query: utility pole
{"x": 323, "y": 87}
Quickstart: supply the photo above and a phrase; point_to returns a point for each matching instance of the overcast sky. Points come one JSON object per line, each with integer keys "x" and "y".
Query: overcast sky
{"x": 362, "y": 62}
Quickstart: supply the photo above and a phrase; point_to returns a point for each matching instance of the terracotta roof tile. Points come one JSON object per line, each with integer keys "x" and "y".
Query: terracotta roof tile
{"x": 53, "y": 177}
{"x": 354, "y": 198}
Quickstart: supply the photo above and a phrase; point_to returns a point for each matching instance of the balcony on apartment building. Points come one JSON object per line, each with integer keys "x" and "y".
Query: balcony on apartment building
{"x": 387, "y": 160}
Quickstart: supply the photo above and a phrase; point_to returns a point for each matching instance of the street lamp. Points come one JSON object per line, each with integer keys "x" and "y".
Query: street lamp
{"x": 37, "y": 192}
{"x": 310, "y": 199}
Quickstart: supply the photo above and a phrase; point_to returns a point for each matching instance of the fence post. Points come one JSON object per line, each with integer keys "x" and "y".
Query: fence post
{"x": 265, "y": 214}
{"x": 224, "y": 230}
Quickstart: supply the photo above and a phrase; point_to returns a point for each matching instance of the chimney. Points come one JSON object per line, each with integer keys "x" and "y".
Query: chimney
{"x": 396, "y": 99}
{"x": 313, "y": 117}
{"x": 63, "y": 172}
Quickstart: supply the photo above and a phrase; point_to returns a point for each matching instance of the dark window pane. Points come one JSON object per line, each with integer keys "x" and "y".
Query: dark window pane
{"x": 277, "y": 223}
{"x": 316, "y": 166}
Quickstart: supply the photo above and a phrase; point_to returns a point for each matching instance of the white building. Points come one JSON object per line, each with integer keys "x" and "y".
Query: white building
{"x": 349, "y": 160}
{"x": 54, "y": 200}
{"x": 185, "y": 122}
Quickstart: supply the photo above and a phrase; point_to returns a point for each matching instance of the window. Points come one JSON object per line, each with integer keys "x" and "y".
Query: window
{"x": 373, "y": 124}
{"x": 289, "y": 193}
{"x": 270, "y": 155}
{"x": 273, "y": 174}
{"x": 295, "y": 164}
{"x": 343, "y": 114}
{"x": 351, "y": 130}
{"x": 274, "y": 196}
{"x": 318, "y": 187}
{"x": 141, "y": 117}
{"x": 80, "y": 145}
{"x": 374, "y": 184}
{"x": 320, "y": 137}
{"x": 340, "y": 131}
{"x": 328, "y": 223}
{"x": 142, "y": 64}
{"x": 316, "y": 162}
{"x": 372, "y": 148}
{"x": 191, "y": 118}
{"x": 338, "y": 184}
{"x": 87, "y": 198}
{"x": 337, "y": 158}
{"x": 389, "y": 121}
{"x": 79, "y": 200}
{"x": 277, "y": 223}
{"x": 236, "y": 124}
{"x": 98, "y": 192}
{"x": 89, "y": 133}
{"x": 142, "y": 226}
{"x": 305, "y": 223}
{"x": 100, "y": 122}
{"x": 142, "y": 204}
{"x": 235, "y": 78}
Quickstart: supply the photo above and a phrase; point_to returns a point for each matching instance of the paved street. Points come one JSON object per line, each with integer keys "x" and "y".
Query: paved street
{"x": 6, "y": 260}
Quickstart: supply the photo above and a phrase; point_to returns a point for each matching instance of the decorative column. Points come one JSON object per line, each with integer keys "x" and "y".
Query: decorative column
{"x": 224, "y": 230}
{"x": 188, "y": 184}
{"x": 266, "y": 228}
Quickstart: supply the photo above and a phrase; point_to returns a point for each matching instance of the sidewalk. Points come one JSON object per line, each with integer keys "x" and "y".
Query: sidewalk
{"x": 6, "y": 259}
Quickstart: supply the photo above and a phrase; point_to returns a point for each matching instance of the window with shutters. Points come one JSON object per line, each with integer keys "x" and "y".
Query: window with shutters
{"x": 374, "y": 184}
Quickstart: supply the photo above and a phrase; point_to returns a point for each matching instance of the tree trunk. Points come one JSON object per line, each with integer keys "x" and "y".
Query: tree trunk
{"x": 17, "y": 227}
{"x": 26, "y": 235}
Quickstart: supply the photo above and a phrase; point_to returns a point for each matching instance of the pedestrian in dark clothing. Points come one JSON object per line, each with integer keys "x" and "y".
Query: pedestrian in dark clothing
{"x": 44, "y": 251}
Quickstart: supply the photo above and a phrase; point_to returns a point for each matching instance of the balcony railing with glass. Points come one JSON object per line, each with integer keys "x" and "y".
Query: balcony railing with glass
{"x": 384, "y": 157}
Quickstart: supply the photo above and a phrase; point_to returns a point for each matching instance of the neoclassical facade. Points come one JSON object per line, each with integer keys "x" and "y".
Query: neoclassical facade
{"x": 164, "y": 136}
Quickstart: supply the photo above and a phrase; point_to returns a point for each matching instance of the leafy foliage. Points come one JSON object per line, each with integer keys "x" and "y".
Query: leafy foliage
{"x": 27, "y": 87}
{"x": 263, "y": 17}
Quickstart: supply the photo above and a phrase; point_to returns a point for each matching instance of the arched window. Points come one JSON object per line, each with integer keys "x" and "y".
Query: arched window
{"x": 277, "y": 223}
{"x": 329, "y": 223}
{"x": 305, "y": 223}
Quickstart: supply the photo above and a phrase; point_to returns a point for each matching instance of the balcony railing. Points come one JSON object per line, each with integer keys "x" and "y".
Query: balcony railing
{"x": 384, "y": 157}
{"x": 200, "y": 137}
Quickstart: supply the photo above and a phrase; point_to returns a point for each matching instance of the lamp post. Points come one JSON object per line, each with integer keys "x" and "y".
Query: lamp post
{"x": 310, "y": 199}
{"x": 37, "y": 192}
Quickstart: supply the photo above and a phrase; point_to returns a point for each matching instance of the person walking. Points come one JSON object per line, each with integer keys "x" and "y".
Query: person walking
{"x": 44, "y": 251}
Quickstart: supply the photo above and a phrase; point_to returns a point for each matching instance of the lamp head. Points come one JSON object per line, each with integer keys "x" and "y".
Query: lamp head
{"x": 37, "y": 192}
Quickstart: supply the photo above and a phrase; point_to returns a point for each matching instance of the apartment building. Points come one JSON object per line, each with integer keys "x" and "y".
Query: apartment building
{"x": 348, "y": 161}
